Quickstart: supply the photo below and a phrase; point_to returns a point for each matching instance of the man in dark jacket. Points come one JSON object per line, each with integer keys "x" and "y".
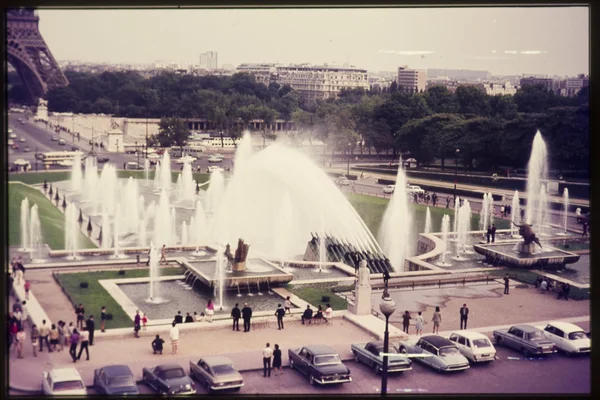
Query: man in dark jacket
{"x": 178, "y": 318}
{"x": 280, "y": 312}
{"x": 493, "y": 233}
{"x": 489, "y": 233}
{"x": 188, "y": 318}
{"x": 464, "y": 315}
{"x": 246, "y": 315}
{"x": 236, "y": 314}
{"x": 307, "y": 315}
{"x": 90, "y": 328}
{"x": 157, "y": 345}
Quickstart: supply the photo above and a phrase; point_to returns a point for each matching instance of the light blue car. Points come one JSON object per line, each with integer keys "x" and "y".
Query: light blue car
{"x": 436, "y": 352}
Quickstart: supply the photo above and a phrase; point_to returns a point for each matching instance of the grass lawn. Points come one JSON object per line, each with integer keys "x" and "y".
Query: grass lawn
{"x": 530, "y": 277}
{"x": 32, "y": 178}
{"x": 313, "y": 296}
{"x": 94, "y": 297}
{"x": 371, "y": 209}
{"x": 51, "y": 219}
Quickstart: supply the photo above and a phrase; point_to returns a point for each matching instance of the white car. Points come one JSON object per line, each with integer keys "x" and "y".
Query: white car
{"x": 389, "y": 189}
{"x": 10, "y": 130}
{"x": 185, "y": 159}
{"x": 11, "y": 142}
{"x": 475, "y": 346}
{"x": 567, "y": 337}
{"x": 414, "y": 189}
{"x": 22, "y": 140}
{"x": 63, "y": 381}
{"x": 215, "y": 158}
{"x": 65, "y": 163}
{"x": 12, "y": 136}
{"x": 221, "y": 156}
{"x": 212, "y": 168}
{"x": 153, "y": 156}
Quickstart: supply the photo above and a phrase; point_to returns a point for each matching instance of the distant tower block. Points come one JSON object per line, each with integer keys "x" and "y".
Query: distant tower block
{"x": 29, "y": 54}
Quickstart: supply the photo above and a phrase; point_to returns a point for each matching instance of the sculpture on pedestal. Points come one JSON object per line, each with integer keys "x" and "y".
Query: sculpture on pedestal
{"x": 528, "y": 235}
{"x": 239, "y": 261}
{"x": 362, "y": 290}
{"x": 363, "y": 274}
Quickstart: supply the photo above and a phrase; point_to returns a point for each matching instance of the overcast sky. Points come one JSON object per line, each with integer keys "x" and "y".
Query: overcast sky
{"x": 500, "y": 40}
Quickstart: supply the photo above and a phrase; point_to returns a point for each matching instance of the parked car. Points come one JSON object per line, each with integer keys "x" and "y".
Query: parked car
{"x": 526, "y": 339}
{"x": 212, "y": 168}
{"x": 22, "y": 140}
{"x": 436, "y": 352}
{"x": 474, "y": 345}
{"x": 55, "y": 138}
{"x": 10, "y": 142}
{"x": 568, "y": 337}
{"x": 65, "y": 163}
{"x": 133, "y": 165}
{"x": 22, "y": 122}
{"x": 182, "y": 160}
{"x": 61, "y": 142}
{"x": 115, "y": 380}
{"x": 320, "y": 363}
{"x": 74, "y": 149}
{"x": 63, "y": 381}
{"x": 414, "y": 189}
{"x": 370, "y": 354}
{"x": 343, "y": 181}
{"x": 168, "y": 379}
{"x": 26, "y": 149}
{"x": 215, "y": 159}
{"x": 102, "y": 160}
{"x": 389, "y": 189}
{"x": 10, "y": 131}
{"x": 153, "y": 156}
{"x": 216, "y": 373}
{"x": 12, "y": 135}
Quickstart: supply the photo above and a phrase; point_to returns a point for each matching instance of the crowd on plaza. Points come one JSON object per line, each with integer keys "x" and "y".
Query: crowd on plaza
{"x": 547, "y": 285}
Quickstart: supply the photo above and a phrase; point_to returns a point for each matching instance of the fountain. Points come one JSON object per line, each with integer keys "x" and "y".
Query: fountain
{"x": 219, "y": 286}
{"x": 25, "y": 239}
{"x": 165, "y": 172}
{"x": 455, "y": 222}
{"x": 71, "y": 232}
{"x": 491, "y": 208}
{"x": 154, "y": 288}
{"x": 286, "y": 213}
{"x": 184, "y": 234}
{"x": 146, "y": 171}
{"x": 35, "y": 236}
{"x": 322, "y": 247}
{"x": 445, "y": 229}
{"x": 199, "y": 228}
{"x": 542, "y": 211}
{"x": 515, "y": 212}
{"x": 427, "y": 221}
{"x": 537, "y": 174}
{"x": 214, "y": 194}
{"x": 76, "y": 173}
{"x": 395, "y": 231}
{"x": 106, "y": 238}
{"x": 187, "y": 183}
{"x": 163, "y": 221}
{"x": 463, "y": 227}
{"x": 243, "y": 153}
{"x": 117, "y": 235}
{"x": 156, "y": 182}
{"x": 565, "y": 213}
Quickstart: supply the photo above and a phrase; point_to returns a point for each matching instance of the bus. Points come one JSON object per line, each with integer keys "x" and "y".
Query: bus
{"x": 58, "y": 157}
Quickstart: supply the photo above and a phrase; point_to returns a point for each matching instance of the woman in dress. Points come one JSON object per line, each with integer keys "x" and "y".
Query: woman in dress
{"x": 20, "y": 338}
{"x": 437, "y": 319}
{"x": 277, "y": 360}
{"x": 210, "y": 310}
{"x": 419, "y": 322}
{"x": 53, "y": 337}
{"x": 68, "y": 333}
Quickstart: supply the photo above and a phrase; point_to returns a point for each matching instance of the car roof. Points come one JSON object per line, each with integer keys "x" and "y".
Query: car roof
{"x": 319, "y": 349}
{"x": 470, "y": 334}
{"x": 376, "y": 343}
{"x": 217, "y": 360}
{"x": 565, "y": 326}
{"x": 438, "y": 341}
{"x": 165, "y": 367}
{"x": 526, "y": 328}
{"x": 113, "y": 371}
{"x": 65, "y": 374}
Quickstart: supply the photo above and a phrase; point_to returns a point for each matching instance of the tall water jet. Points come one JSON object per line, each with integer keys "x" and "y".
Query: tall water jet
{"x": 199, "y": 227}
{"x": 146, "y": 171}
{"x": 491, "y": 208}
{"x": 162, "y": 221}
{"x": 322, "y": 246}
{"x": 484, "y": 214}
{"x": 25, "y": 242}
{"x": 106, "y": 231}
{"x": 117, "y": 234}
{"x": 35, "y": 235}
{"x": 71, "y": 231}
{"x": 515, "y": 214}
{"x": 537, "y": 173}
{"x": 394, "y": 233}
{"x": 154, "y": 290}
{"x": 173, "y": 226}
{"x": 427, "y": 221}
{"x": 215, "y": 191}
{"x": 184, "y": 234}
{"x": 76, "y": 173}
{"x": 455, "y": 222}
{"x": 565, "y": 210}
{"x": 219, "y": 277}
{"x": 188, "y": 185}
{"x": 157, "y": 177}
{"x": 463, "y": 227}
{"x": 542, "y": 211}
{"x": 165, "y": 172}
{"x": 243, "y": 152}
{"x": 445, "y": 230}
{"x": 142, "y": 233}
{"x": 284, "y": 229}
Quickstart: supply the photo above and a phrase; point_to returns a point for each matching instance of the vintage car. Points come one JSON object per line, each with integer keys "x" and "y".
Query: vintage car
{"x": 414, "y": 189}
{"x": 63, "y": 381}
{"x": 437, "y": 352}
{"x": 182, "y": 160}
{"x": 115, "y": 380}
{"x": 54, "y": 138}
{"x": 10, "y": 142}
{"x": 102, "y": 160}
{"x": 320, "y": 363}
{"x": 389, "y": 189}
{"x": 215, "y": 159}
{"x": 474, "y": 345}
{"x": 343, "y": 181}
{"x": 168, "y": 379}
{"x": 526, "y": 339}
{"x": 26, "y": 149}
{"x": 371, "y": 355}
{"x": 568, "y": 338}
{"x": 212, "y": 168}
{"x": 216, "y": 373}
{"x": 22, "y": 140}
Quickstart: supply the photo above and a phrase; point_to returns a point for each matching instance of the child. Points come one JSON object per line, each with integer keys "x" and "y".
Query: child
{"x": 144, "y": 321}
{"x": 288, "y": 305}
{"x": 27, "y": 287}
{"x": 202, "y": 317}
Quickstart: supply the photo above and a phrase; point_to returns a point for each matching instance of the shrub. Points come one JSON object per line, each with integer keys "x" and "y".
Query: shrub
{"x": 83, "y": 285}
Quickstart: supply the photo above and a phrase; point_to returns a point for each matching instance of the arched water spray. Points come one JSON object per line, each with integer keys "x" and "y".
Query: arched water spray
{"x": 284, "y": 229}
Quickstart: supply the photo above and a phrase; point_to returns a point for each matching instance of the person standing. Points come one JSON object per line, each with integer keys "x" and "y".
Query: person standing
{"x": 277, "y": 360}
{"x": 34, "y": 339}
{"x": 210, "y": 310}
{"x": 80, "y": 312}
{"x": 437, "y": 319}
{"x": 61, "y": 335}
{"x": 44, "y": 332}
{"x": 267, "y": 354}
{"x": 280, "y": 312}
{"x": 489, "y": 233}
{"x": 464, "y": 315}
{"x": 163, "y": 254}
{"x": 328, "y": 313}
{"x": 506, "y": 282}
{"x": 24, "y": 314}
{"x": 20, "y": 339}
{"x": 502, "y": 208}
{"x": 13, "y": 329}
{"x": 68, "y": 333}
{"x": 19, "y": 280}
{"x": 493, "y": 233}
{"x": 27, "y": 287}
{"x": 84, "y": 341}
{"x": 419, "y": 322}
{"x": 90, "y": 325}
{"x": 136, "y": 324}
{"x": 102, "y": 318}
{"x": 174, "y": 336}
{"x": 246, "y": 315}
{"x": 585, "y": 229}
{"x": 406, "y": 321}
{"x": 288, "y": 305}
{"x": 236, "y": 314}
{"x": 74, "y": 343}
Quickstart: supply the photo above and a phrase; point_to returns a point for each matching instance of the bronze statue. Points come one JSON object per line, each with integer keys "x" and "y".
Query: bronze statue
{"x": 228, "y": 254}
{"x": 527, "y": 233}
{"x": 241, "y": 252}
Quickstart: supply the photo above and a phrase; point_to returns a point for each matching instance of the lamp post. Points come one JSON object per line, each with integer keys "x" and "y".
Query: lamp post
{"x": 456, "y": 171}
{"x": 387, "y": 307}
{"x": 348, "y": 168}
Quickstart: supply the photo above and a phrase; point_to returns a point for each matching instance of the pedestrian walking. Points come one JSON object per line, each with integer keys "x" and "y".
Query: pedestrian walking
{"x": 246, "y": 315}
{"x": 84, "y": 338}
{"x": 277, "y": 361}
{"x": 493, "y": 233}
{"x": 136, "y": 324}
{"x": 585, "y": 229}
{"x": 27, "y": 287}
{"x": 34, "y": 339}
{"x": 44, "y": 332}
{"x": 19, "y": 280}
{"x": 13, "y": 329}
{"x": 163, "y": 254}
{"x": 68, "y": 333}
{"x": 90, "y": 325}
{"x": 280, "y": 312}
{"x": 267, "y": 354}
{"x": 80, "y": 313}
{"x": 506, "y": 281}
{"x": 406, "y": 321}
{"x": 288, "y": 305}
{"x": 489, "y": 233}
{"x": 157, "y": 345}
{"x": 102, "y": 318}
{"x": 464, "y": 315}
{"x": 174, "y": 336}
{"x": 74, "y": 343}
{"x": 236, "y": 314}
{"x": 20, "y": 340}
{"x": 210, "y": 310}
{"x": 419, "y": 322}
{"x": 436, "y": 319}
{"x": 61, "y": 335}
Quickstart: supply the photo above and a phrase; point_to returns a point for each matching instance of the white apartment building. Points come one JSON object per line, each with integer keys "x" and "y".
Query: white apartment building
{"x": 411, "y": 80}
{"x": 209, "y": 60}
{"x": 507, "y": 88}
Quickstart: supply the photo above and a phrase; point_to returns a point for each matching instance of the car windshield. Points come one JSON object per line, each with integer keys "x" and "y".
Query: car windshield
{"x": 537, "y": 335}
{"x": 172, "y": 373}
{"x": 223, "y": 369}
{"x": 448, "y": 351}
{"x": 121, "y": 381}
{"x": 577, "y": 335}
{"x": 67, "y": 385}
{"x": 479, "y": 343}
{"x": 329, "y": 359}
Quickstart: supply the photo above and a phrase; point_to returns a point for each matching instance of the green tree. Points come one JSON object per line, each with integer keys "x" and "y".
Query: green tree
{"x": 441, "y": 100}
{"x": 532, "y": 99}
{"x": 471, "y": 100}
{"x": 103, "y": 106}
{"x": 172, "y": 131}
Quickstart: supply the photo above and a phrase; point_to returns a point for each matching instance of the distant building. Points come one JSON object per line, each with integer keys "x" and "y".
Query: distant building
{"x": 209, "y": 60}
{"x": 411, "y": 80}
{"x": 459, "y": 74}
{"x": 507, "y": 88}
{"x": 548, "y": 83}
{"x": 571, "y": 86}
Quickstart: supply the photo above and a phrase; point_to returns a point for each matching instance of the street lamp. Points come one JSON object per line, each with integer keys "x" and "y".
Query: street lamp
{"x": 456, "y": 171}
{"x": 348, "y": 169}
{"x": 387, "y": 308}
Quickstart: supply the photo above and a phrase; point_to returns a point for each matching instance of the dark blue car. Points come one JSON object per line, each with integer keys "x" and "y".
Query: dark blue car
{"x": 115, "y": 380}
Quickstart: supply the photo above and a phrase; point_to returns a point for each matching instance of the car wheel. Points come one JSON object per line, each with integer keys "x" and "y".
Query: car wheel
{"x": 526, "y": 352}
{"x": 376, "y": 368}
{"x": 498, "y": 339}
{"x": 356, "y": 357}
{"x": 291, "y": 364}
{"x": 312, "y": 380}
{"x": 207, "y": 387}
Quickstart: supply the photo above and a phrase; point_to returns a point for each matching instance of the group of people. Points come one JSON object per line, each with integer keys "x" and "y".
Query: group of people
{"x": 426, "y": 197}
{"x": 420, "y": 321}
{"x": 321, "y": 315}
{"x": 491, "y": 233}
{"x": 549, "y": 285}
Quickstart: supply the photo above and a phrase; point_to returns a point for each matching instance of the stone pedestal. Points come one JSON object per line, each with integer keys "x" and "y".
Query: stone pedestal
{"x": 526, "y": 248}
{"x": 362, "y": 303}
{"x": 239, "y": 266}
{"x": 114, "y": 141}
